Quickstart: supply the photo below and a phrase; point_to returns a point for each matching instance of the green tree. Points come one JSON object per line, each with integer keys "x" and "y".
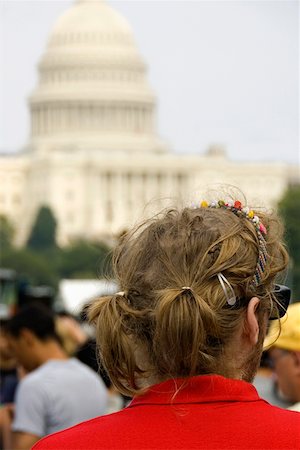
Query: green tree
{"x": 43, "y": 234}
{"x": 82, "y": 259}
{"x": 289, "y": 209}
{"x": 30, "y": 266}
{"x": 6, "y": 233}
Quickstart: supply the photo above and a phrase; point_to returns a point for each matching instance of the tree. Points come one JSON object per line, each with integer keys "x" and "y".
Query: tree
{"x": 82, "y": 259}
{"x": 42, "y": 262}
{"x": 6, "y": 233}
{"x": 30, "y": 266}
{"x": 43, "y": 234}
{"x": 289, "y": 209}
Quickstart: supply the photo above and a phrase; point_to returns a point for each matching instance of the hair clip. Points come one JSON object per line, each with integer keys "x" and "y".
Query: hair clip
{"x": 231, "y": 300}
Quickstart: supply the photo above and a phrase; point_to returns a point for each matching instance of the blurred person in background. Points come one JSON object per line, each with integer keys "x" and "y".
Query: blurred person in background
{"x": 8, "y": 384}
{"x": 184, "y": 336}
{"x": 8, "y": 368}
{"x": 78, "y": 340}
{"x": 265, "y": 384}
{"x": 70, "y": 332}
{"x": 283, "y": 342}
{"x": 87, "y": 353}
{"x": 58, "y": 391}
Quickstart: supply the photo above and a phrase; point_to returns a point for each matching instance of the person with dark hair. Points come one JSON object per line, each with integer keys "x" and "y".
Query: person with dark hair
{"x": 8, "y": 384}
{"x": 58, "y": 391}
{"x": 184, "y": 335}
{"x": 8, "y": 368}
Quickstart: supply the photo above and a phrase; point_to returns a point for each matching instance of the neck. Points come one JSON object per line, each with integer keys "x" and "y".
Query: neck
{"x": 49, "y": 350}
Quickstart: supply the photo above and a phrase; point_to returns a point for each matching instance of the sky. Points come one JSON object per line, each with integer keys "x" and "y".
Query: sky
{"x": 224, "y": 72}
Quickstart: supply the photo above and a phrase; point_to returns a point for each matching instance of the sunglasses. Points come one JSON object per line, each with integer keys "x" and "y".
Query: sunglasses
{"x": 282, "y": 297}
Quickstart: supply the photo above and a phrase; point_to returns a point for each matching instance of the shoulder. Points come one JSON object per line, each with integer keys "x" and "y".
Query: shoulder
{"x": 286, "y": 415}
{"x": 74, "y": 364}
{"x": 35, "y": 383}
{"x": 282, "y": 422}
{"x": 31, "y": 381}
{"x": 89, "y": 434}
{"x": 284, "y": 426}
{"x": 30, "y": 393}
{"x": 84, "y": 370}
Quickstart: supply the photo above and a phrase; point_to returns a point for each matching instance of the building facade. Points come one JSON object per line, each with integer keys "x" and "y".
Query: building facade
{"x": 94, "y": 156}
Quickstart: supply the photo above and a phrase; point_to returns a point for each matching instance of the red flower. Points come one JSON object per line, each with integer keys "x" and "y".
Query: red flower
{"x": 237, "y": 204}
{"x": 262, "y": 228}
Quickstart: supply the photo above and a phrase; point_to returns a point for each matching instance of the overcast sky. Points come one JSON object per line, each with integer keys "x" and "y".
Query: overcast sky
{"x": 223, "y": 71}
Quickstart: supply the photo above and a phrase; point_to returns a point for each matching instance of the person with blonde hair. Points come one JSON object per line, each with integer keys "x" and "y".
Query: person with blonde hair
{"x": 184, "y": 335}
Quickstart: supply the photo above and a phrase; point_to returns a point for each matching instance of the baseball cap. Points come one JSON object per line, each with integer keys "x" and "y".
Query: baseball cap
{"x": 285, "y": 333}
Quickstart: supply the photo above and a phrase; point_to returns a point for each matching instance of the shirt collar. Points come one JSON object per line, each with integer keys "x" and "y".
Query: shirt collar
{"x": 199, "y": 389}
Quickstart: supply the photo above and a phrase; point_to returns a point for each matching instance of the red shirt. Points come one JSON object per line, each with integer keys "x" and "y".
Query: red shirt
{"x": 210, "y": 412}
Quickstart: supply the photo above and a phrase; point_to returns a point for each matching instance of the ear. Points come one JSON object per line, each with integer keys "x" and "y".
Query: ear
{"x": 28, "y": 336}
{"x": 251, "y": 322}
{"x": 296, "y": 357}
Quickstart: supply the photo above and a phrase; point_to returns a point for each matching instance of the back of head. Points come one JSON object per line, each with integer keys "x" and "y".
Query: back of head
{"x": 36, "y": 318}
{"x": 173, "y": 309}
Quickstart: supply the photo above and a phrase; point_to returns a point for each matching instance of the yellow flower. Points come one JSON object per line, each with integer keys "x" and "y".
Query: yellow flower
{"x": 204, "y": 204}
{"x": 250, "y": 214}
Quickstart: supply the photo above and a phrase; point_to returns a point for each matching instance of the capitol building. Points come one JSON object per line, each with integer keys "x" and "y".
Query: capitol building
{"x": 94, "y": 156}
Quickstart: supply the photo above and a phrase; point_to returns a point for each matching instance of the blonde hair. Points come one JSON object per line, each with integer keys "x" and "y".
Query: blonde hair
{"x": 70, "y": 334}
{"x": 183, "y": 332}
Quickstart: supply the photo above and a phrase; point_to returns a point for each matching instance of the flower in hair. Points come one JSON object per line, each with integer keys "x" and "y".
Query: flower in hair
{"x": 243, "y": 211}
{"x": 237, "y": 208}
{"x": 262, "y": 228}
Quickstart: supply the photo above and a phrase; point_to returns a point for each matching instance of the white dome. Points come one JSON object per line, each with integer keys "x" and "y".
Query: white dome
{"x": 92, "y": 31}
{"x": 96, "y": 28}
{"x": 93, "y": 87}
{"x": 92, "y": 16}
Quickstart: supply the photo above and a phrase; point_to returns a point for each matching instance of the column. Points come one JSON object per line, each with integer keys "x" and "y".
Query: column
{"x": 46, "y": 118}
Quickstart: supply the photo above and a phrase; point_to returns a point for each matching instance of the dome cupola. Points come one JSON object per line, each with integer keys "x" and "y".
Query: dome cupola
{"x": 92, "y": 86}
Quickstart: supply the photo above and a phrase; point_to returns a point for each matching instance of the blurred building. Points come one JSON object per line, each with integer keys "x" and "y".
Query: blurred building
{"x": 94, "y": 155}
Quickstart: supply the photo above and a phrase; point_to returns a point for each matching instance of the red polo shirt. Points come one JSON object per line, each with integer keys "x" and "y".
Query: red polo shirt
{"x": 209, "y": 412}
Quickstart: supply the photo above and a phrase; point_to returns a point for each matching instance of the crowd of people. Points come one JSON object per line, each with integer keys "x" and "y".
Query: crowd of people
{"x": 50, "y": 376}
{"x": 170, "y": 360}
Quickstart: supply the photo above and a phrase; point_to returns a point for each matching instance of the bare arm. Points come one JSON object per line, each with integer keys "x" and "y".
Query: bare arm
{"x": 6, "y": 414}
{"x": 24, "y": 441}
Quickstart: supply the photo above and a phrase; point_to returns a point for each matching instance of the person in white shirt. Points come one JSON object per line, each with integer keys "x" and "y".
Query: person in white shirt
{"x": 58, "y": 391}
